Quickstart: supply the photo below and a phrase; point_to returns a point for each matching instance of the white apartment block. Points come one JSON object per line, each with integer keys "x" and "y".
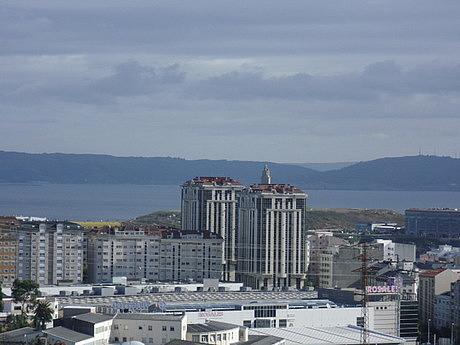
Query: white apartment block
{"x": 272, "y": 241}
{"x": 170, "y": 256}
{"x": 49, "y": 253}
{"x": 210, "y": 203}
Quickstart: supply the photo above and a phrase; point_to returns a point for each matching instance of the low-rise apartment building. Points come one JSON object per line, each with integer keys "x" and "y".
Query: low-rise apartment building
{"x": 50, "y": 252}
{"x": 433, "y": 283}
{"x": 8, "y": 254}
{"x": 174, "y": 255}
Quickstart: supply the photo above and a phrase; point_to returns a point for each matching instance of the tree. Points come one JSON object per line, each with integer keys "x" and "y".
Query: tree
{"x": 24, "y": 291}
{"x": 16, "y": 321}
{"x": 43, "y": 314}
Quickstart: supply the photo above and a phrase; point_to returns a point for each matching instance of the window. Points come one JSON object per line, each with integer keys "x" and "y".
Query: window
{"x": 115, "y": 326}
{"x": 150, "y": 328}
{"x": 282, "y": 323}
{"x": 247, "y": 323}
{"x": 171, "y": 329}
{"x": 163, "y": 328}
{"x": 196, "y": 338}
{"x": 140, "y": 327}
{"x": 204, "y": 338}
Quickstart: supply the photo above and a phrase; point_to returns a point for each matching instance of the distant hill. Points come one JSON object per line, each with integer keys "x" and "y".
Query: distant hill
{"x": 105, "y": 169}
{"x": 400, "y": 173}
{"x": 325, "y": 166}
{"x": 397, "y": 173}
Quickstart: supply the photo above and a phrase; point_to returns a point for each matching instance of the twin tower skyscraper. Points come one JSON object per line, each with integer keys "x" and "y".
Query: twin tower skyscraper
{"x": 263, "y": 227}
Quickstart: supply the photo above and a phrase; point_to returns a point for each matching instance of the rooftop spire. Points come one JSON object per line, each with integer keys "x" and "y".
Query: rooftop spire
{"x": 266, "y": 175}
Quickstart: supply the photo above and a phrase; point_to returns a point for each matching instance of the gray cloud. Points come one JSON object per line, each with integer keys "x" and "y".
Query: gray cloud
{"x": 377, "y": 80}
{"x": 131, "y": 79}
{"x": 201, "y": 79}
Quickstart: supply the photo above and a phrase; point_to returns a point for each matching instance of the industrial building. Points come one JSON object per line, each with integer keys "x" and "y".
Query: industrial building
{"x": 345, "y": 335}
{"x": 437, "y": 223}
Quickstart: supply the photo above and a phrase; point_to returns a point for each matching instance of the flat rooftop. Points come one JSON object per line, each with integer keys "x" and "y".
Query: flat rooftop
{"x": 93, "y": 317}
{"x": 67, "y": 334}
{"x": 211, "y": 326}
{"x": 213, "y": 181}
{"x": 347, "y": 335}
{"x": 190, "y": 297}
{"x": 238, "y": 304}
{"x": 276, "y": 189}
{"x": 148, "y": 316}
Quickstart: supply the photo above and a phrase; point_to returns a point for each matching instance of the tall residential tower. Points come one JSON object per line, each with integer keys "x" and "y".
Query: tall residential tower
{"x": 210, "y": 203}
{"x": 272, "y": 241}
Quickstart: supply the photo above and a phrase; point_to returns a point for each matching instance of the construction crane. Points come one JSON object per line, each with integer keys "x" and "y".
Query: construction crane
{"x": 365, "y": 297}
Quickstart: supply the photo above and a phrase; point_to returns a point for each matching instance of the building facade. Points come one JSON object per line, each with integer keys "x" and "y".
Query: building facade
{"x": 211, "y": 204}
{"x": 50, "y": 252}
{"x": 433, "y": 222}
{"x": 433, "y": 283}
{"x": 321, "y": 245}
{"x": 272, "y": 240}
{"x": 168, "y": 256}
{"x": 8, "y": 254}
{"x": 151, "y": 329}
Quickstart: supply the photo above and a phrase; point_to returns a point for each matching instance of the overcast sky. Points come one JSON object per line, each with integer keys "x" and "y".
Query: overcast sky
{"x": 286, "y": 81}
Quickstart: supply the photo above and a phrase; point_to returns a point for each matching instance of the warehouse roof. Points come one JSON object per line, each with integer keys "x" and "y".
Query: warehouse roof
{"x": 67, "y": 334}
{"x": 347, "y": 335}
{"x": 170, "y": 297}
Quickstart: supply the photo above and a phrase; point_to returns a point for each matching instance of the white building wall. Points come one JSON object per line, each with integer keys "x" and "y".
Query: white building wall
{"x": 224, "y": 337}
{"x": 320, "y": 317}
{"x": 386, "y": 317}
{"x": 150, "y": 332}
{"x": 102, "y": 332}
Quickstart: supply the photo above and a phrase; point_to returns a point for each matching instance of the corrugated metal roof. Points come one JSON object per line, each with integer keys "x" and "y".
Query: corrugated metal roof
{"x": 349, "y": 335}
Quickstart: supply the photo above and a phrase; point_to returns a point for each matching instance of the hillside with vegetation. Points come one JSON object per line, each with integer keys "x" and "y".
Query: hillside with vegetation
{"x": 166, "y": 219}
{"x": 345, "y": 219}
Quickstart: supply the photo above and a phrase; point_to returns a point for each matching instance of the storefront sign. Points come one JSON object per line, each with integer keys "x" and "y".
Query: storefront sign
{"x": 380, "y": 289}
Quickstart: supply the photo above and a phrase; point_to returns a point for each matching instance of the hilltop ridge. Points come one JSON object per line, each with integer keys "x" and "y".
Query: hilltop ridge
{"x": 394, "y": 173}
